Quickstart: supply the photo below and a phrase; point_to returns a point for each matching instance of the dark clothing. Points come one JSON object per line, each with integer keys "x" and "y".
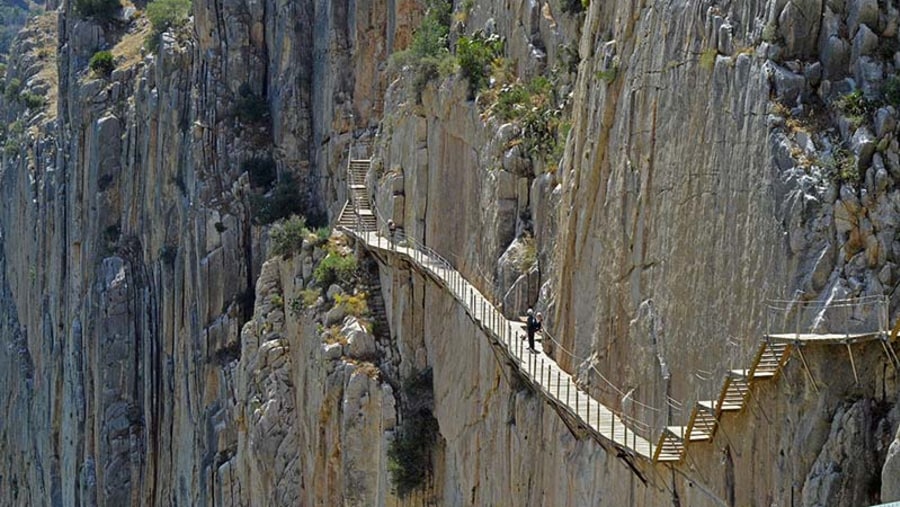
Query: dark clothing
{"x": 532, "y": 325}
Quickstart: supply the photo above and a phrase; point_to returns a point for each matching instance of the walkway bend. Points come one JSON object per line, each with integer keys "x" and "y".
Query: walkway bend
{"x": 552, "y": 381}
{"x": 630, "y": 436}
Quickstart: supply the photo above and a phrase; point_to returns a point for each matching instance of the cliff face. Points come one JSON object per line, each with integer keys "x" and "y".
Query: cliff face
{"x": 152, "y": 357}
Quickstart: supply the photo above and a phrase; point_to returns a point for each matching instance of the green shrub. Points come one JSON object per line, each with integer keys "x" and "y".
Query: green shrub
{"x": 608, "y": 75}
{"x": 283, "y": 201}
{"x": 410, "y": 460}
{"x": 535, "y": 107}
{"x": 287, "y": 237}
{"x": 841, "y": 166}
{"x": 250, "y": 107}
{"x": 475, "y": 55}
{"x": 430, "y": 38}
{"x": 261, "y": 171}
{"x": 13, "y": 87}
{"x": 101, "y": 9}
{"x": 102, "y": 63}
{"x": 856, "y": 106}
{"x": 770, "y": 32}
{"x": 32, "y": 100}
{"x": 854, "y": 102}
{"x": 166, "y": 14}
{"x": 322, "y": 234}
{"x": 11, "y": 148}
{"x": 890, "y": 91}
{"x": 306, "y": 299}
{"x": 353, "y": 304}
{"x": 335, "y": 268}
{"x": 428, "y": 56}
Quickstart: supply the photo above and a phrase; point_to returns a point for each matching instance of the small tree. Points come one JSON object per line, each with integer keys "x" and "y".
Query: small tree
{"x": 13, "y": 87}
{"x": 101, "y": 9}
{"x": 287, "y": 237}
{"x": 102, "y": 63}
{"x": 475, "y": 55}
{"x": 166, "y": 14}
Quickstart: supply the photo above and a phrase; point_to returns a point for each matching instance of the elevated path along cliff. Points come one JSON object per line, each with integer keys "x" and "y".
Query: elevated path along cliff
{"x": 631, "y": 436}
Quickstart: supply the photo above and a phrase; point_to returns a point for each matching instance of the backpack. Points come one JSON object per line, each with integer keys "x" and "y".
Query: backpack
{"x": 531, "y": 323}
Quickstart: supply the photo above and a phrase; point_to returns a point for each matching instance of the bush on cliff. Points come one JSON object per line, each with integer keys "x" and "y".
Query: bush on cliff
{"x": 100, "y": 9}
{"x": 281, "y": 202}
{"x": 410, "y": 451}
{"x": 250, "y": 107}
{"x": 166, "y": 14}
{"x": 428, "y": 56}
{"x": 476, "y": 54}
{"x": 102, "y": 63}
{"x": 287, "y": 237}
{"x": 335, "y": 268}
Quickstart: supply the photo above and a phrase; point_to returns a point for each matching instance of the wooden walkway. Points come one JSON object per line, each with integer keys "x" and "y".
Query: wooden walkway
{"x": 543, "y": 373}
{"x": 831, "y": 338}
{"x": 556, "y": 385}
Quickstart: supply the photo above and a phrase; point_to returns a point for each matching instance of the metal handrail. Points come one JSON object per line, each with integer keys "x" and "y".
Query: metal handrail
{"x": 540, "y": 368}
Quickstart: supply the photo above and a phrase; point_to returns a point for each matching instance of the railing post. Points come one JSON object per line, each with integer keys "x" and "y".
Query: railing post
{"x": 612, "y": 425}
{"x": 558, "y": 385}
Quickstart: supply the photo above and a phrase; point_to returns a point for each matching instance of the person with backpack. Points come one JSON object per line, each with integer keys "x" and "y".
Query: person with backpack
{"x": 532, "y": 325}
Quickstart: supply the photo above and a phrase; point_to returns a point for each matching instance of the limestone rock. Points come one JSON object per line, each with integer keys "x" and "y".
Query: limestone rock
{"x": 835, "y": 57}
{"x": 789, "y": 86}
{"x": 360, "y": 344}
{"x": 863, "y": 146}
{"x": 798, "y": 24}
{"x": 861, "y": 12}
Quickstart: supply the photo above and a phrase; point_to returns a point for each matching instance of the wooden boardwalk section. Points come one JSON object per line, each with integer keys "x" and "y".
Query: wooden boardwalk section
{"x": 579, "y": 410}
{"x": 540, "y": 370}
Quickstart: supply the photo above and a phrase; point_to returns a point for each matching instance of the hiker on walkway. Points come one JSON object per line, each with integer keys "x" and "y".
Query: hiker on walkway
{"x": 392, "y": 228}
{"x": 532, "y": 325}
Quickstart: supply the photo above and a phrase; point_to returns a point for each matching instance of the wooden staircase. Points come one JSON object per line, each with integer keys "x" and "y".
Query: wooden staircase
{"x": 733, "y": 396}
{"x": 602, "y": 422}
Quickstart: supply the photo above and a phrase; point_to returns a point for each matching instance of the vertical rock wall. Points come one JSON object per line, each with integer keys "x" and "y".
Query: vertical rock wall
{"x": 128, "y": 258}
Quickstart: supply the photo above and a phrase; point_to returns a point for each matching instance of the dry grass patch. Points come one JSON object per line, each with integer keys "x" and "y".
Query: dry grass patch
{"x": 46, "y": 24}
{"x": 129, "y": 51}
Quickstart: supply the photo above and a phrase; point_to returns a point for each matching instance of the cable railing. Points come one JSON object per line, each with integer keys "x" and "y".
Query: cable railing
{"x": 628, "y": 423}
{"x": 835, "y": 318}
{"x": 626, "y": 430}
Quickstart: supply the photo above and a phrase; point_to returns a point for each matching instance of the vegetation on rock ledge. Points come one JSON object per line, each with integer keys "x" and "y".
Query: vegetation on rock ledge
{"x": 410, "y": 451}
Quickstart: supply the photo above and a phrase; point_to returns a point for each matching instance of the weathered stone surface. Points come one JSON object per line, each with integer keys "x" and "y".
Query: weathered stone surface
{"x": 850, "y": 442}
{"x": 861, "y": 12}
{"x": 863, "y": 145}
{"x": 360, "y": 344}
{"x": 835, "y": 57}
{"x": 789, "y": 86}
{"x": 145, "y": 371}
{"x": 798, "y": 25}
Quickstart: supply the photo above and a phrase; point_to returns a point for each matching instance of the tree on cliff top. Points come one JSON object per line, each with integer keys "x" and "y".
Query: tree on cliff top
{"x": 166, "y": 14}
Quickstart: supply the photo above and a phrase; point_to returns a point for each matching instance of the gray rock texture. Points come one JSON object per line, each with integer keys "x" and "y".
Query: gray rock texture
{"x": 149, "y": 355}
